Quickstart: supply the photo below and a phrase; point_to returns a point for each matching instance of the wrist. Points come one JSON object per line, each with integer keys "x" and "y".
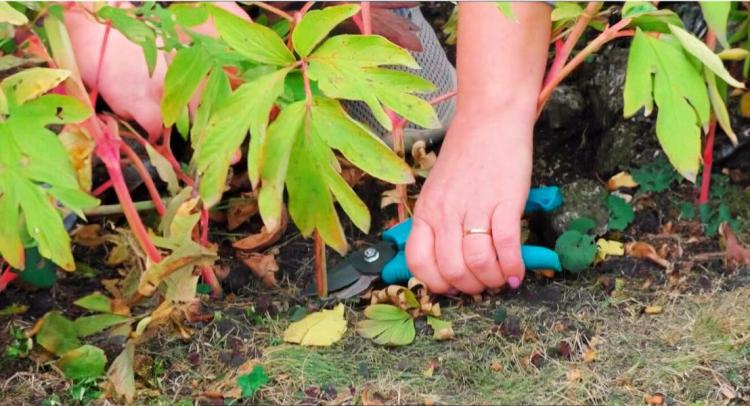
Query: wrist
{"x": 514, "y": 106}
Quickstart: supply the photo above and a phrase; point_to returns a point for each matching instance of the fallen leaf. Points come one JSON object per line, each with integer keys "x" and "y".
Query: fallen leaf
{"x": 389, "y": 197}
{"x": 351, "y": 174}
{"x": 86, "y": 361}
{"x": 56, "y": 333}
{"x": 645, "y": 250}
{"x": 89, "y": 325}
{"x": 656, "y": 399}
{"x": 387, "y": 325}
{"x": 321, "y": 328}
{"x": 736, "y": 253}
{"x": 653, "y": 310}
{"x": 573, "y": 375}
{"x": 371, "y": 398}
{"x": 88, "y": 235}
{"x": 621, "y": 180}
{"x": 495, "y": 366}
{"x": 265, "y": 238}
{"x": 241, "y": 210}
{"x": 442, "y": 330}
{"x": 431, "y": 367}
{"x": 121, "y": 375}
{"x": 605, "y": 248}
{"x": 263, "y": 266}
{"x": 423, "y": 160}
{"x": 590, "y": 355}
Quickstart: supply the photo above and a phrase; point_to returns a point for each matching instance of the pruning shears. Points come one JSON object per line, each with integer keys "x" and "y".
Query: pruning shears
{"x": 386, "y": 260}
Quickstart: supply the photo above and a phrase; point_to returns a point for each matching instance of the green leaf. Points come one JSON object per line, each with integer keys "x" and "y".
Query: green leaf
{"x": 621, "y": 214}
{"x": 247, "y": 108}
{"x": 566, "y": 10}
{"x": 255, "y": 41}
{"x": 362, "y": 148}
{"x": 183, "y": 77}
{"x": 31, "y": 83}
{"x": 96, "y": 302}
{"x": 50, "y": 109}
{"x": 345, "y": 67}
{"x": 576, "y": 250}
{"x": 716, "y": 14}
{"x": 251, "y": 382}
{"x": 38, "y": 272}
{"x": 719, "y": 106}
{"x": 582, "y": 224}
{"x": 654, "y": 20}
{"x": 656, "y": 176}
{"x": 89, "y": 325}
{"x": 86, "y": 361}
{"x": 121, "y": 374}
{"x": 11, "y": 247}
{"x": 74, "y": 199}
{"x": 276, "y": 154}
{"x": 680, "y": 93}
{"x": 441, "y": 329}
{"x": 387, "y": 325}
{"x": 317, "y": 24}
{"x": 133, "y": 29}
{"x": 216, "y": 92}
{"x": 506, "y": 8}
{"x": 45, "y": 225}
{"x": 635, "y": 8}
{"x": 57, "y": 334}
{"x": 11, "y": 16}
{"x": 189, "y": 15}
{"x": 699, "y": 49}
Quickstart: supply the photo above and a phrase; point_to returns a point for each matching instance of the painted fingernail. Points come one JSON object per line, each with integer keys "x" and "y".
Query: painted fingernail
{"x": 514, "y": 282}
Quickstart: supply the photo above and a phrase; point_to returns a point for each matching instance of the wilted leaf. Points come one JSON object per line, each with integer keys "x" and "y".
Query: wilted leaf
{"x": 80, "y": 147}
{"x": 387, "y": 325}
{"x": 86, "y": 361}
{"x": 251, "y": 382}
{"x": 321, "y": 328}
{"x": 121, "y": 375}
{"x": 88, "y": 325}
{"x": 577, "y": 251}
{"x": 621, "y": 180}
{"x": 442, "y": 330}
{"x": 264, "y": 239}
{"x": 645, "y": 250}
{"x": 56, "y": 333}
{"x": 606, "y": 248}
{"x": 263, "y": 266}
{"x": 88, "y": 235}
{"x": 187, "y": 255}
{"x": 423, "y": 160}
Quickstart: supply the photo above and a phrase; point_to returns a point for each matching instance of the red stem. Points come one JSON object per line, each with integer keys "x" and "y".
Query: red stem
{"x": 135, "y": 160}
{"x": 102, "y": 188}
{"x": 6, "y": 278}
{"x": 366, "y": 18}
{"x": 306, "y": 7}
{"x": 708, "y": 150}
{"x": 561, "y": 57}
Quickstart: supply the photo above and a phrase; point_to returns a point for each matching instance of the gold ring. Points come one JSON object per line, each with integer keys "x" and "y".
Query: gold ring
{"x": 478, "y": 231}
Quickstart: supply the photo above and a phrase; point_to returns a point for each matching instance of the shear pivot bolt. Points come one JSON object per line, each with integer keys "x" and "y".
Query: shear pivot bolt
{"x": 371, "y": 255}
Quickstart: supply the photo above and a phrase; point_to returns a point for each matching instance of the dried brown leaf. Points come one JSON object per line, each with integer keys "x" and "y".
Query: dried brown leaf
{"x": 645, "y": 250}
{"x": 241, "y": 210}
{"x": 88, "y": 235}
{"x": 265, "y": 238}
{"x": 736, "y": 253}
{"x": 263, "y": 266}
{"x": 423, "y": 160}
{"x": 656, "y": 399}
{"x": 621, "y": 180}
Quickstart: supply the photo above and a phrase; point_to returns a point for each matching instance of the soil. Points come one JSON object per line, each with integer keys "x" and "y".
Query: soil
{"x": 695, "y": 349}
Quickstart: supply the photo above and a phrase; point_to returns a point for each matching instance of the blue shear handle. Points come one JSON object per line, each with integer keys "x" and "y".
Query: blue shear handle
{"x": 534, "y": 257}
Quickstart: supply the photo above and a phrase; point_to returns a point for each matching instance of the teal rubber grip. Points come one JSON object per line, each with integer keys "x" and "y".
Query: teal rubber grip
{"x": 542, "y": 199}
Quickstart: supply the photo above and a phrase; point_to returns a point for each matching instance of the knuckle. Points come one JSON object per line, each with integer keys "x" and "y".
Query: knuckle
{"x": 453, "y": 273}
{"x": 479, "y": 260}
{"x": 505, "y": 240}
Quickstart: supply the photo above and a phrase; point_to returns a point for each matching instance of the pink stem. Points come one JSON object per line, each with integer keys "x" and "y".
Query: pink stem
{"x": 102, "y": 188}
{"x": 102, "y": 50}
{"x": 6, "y": 278}
{"x": 561, "y": 57}
{"x": 366, "y": 18}
{"x": 708, "y": 150}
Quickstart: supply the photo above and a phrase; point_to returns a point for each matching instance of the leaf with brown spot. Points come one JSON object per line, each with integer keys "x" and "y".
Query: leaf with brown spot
{"x": 263, "y": 266}
{"x": 241, "y": 210}
{"x": 645, "y": 250}
{"x": 265, "y": 238}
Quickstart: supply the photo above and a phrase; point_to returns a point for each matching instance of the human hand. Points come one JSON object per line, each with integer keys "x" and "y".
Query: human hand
{"x": 481, "y": 180}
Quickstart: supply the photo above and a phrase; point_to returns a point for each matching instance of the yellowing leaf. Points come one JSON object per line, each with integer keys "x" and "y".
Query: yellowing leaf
{"x": 321, "y": 328}
{"x": 442, "y": 330}
{"x": 605, "y": 248}
{"x": 31, "y": 83}
{"x": 734, "y": 54}
{"x": 80, "y": 147}
{"x": 121, "y": 374}
{"x": 621, "y": 180}
{"x": 701, "y": 51}
{"x": 164, "y": 169}
{"x": 11, "y": 16}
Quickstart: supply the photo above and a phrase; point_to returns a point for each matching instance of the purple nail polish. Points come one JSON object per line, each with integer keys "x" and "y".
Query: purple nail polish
{"x": 514, "y": 282}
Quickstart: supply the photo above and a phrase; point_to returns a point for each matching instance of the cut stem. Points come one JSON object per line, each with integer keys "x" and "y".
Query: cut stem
{"x": 321, "y": 274}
